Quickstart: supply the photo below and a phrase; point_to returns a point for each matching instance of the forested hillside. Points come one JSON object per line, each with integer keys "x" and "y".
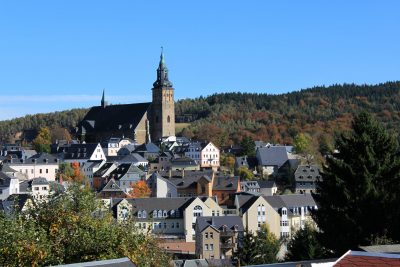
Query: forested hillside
{"x": 320, "y": 111}
{"x": 65, "y": 119}
{"x": 227, "y": 118}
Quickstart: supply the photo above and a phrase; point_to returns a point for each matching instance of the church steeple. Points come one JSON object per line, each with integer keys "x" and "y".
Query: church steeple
{"x": 103, "y": 101}
{"x": 162, "y": 73}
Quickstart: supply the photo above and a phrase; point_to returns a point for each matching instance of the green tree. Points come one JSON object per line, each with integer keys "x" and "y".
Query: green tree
{"x": 259, "y": 248}
{"x": 358, "y": 196}
{"x": 42, "y": 141}
{"x": 248, "y": 146}
{"x": 73, "y": 227}
{"x": 304, "y": 245}
{"x": 245, "y": 173}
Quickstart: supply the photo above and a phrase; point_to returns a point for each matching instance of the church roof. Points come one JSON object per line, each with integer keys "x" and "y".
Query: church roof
{"x": 113, "y": 117}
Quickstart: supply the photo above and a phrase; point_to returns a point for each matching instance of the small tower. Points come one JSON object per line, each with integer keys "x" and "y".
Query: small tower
{"x": 103, "y": 101}
{"x": 163, "y": 105}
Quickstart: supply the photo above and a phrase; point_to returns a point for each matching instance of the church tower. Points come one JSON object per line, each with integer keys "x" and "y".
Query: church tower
{"x": 163, "y": 105}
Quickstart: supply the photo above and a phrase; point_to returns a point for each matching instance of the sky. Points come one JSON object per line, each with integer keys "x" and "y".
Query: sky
{"x": 57, "y": 55}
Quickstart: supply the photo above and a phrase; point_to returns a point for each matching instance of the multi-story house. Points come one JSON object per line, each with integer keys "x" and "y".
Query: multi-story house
{"x": 206, "y": 154}
{"x": 40, "y": 189}
{"x": 256, "y": 211}
{"x": 172, "y": 217}
{"x": 90, "y": 167}
{"x": 113, "y": 145}
{"x": 306, "y": 177}
{"x": 162, "y": 162}
{"x": 184, "y": 163}
{"x": 9, "y": 185}
{"x": 294, "y": 211}
{"x": 39, "y": 165}
{"x": 218, "y": 237}
{"x": 100, "y": 176}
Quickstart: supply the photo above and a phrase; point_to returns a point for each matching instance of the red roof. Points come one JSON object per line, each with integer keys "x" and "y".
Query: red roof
{"x": 367, "y": 259}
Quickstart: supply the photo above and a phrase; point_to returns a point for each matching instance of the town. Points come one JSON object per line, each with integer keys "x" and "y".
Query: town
{"x": 199, "y": 201}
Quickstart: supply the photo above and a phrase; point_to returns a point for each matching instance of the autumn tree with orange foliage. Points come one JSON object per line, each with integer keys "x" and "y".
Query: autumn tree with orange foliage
{"x": 140, "y": 189}
{"x": 71, "y": 172}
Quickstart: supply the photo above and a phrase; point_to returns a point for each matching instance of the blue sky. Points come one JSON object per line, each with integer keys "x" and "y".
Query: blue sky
{"x": 57, "y": 55}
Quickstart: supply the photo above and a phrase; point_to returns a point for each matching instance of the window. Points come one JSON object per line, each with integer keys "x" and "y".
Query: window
{"x": 165, "y": 214}
{"x": 213, "y": 213}
{"x": 197, "y": 211}
{"x": 31, "y": 171}
{"x": 155, "y": 214}
{"x": 36, "y": 187}
{"x": 168, "y": 119}
{"x": 165, "y": 225}
{"x": 140, "y": 214}
{"x": 144, "y": 215}
{"x": 177, "y": 225}
{"x": 44, "y": 188}
{"x": 206, "y": 247}
{"x": 47, "y": 170}
{"x": 159, "y": 225}
{"x": 172, "y": 225}
{"x": 211, "y": 235}
{"x": 211, "y": 246}
{"x": 206, "y": 235}
{"x": 40, "y": 170}
{"x": 144, "y": 225}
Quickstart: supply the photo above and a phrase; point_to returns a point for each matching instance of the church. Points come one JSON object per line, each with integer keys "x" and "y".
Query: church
{"x": 143, "y": 122}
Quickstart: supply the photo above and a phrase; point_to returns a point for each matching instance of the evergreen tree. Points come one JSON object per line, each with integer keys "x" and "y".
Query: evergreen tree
{"x": 304, "y": 245}
{"x": 358, "y": 196}
{"x": 248, "y": 146}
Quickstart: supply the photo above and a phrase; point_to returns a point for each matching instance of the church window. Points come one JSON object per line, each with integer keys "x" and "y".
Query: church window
{"x": 168, "y": 119}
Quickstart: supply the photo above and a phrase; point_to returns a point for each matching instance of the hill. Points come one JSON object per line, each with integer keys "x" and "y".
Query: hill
{"x": 320, "y": 111}
{"x": 226, "y": 118}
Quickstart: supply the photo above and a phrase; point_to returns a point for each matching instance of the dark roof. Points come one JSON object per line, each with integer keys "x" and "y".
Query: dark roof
{"x": 393, "y": 249}
{"x": 112, "y": 186}
{"x": 272, "y": 156}
{"x": 78, "y": 151}
{"x": 148, "y": 148}
{"x": 14, "y": 201}
{"x": 40, "y": 158}
{"x": 266, "y": 183}
{"x": 187, "y": 181}
{"x": 291, "y": 201}
{"x": 113, "y": 118}
{"x": 191, "y": 173}
{"x": 4, "y": 180}
{"x": 39, "y": 181}
{"x": 123, "y": 169}
{"x": 226, "y": 183}
{"x": 131, "y": 158}
{"x": 307, "y": 173}
{"x": 122, "y": 262}
{"x": 218, "y": 222}
{"x": 245, "y": 201}
{"x": 103, "y": 169}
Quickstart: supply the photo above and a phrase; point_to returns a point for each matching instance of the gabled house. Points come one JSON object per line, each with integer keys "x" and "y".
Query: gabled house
{"x": 134, "y": 158}
{"x": 224, "y": 188}
{"x": 161, "y": 187}
{"x": 112, "y": 146}
{"x": 9, "y": 185}
{"x": 205, "y": 153}
{"x": 184, "y": 163}
{"x": 90, "y": 167}
{"x": 218, "y": 237}
{"x": 81, "y": 153}
{"x": 267, "y": 187}
{"x": 294, "y": 210}
{"x": 271, "y": 158}
{"x": 126, "y": 174}
{"x": 112, "y": 190}
{"x": 306, "y": 177}
{"x": 162, "y": 161}
{"x": 101, "y": 175}
{"x": 148, "y": 150}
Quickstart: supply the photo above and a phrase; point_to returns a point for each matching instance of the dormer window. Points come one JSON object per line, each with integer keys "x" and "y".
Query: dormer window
{"x": 155, "y": 214}
{"x": 160, "y": 214}
{"x": 140, "y": 214}
{"x": 165, "y": 213}
{"x": 144, "y": 214}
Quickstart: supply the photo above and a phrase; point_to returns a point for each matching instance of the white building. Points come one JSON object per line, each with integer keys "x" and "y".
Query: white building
{"x": 206, "y": 154}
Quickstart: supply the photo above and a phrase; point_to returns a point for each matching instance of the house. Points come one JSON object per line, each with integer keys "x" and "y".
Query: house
{"x": 191, "y": 183}
{"x": 271, "y": 158}
{"x": 256, "y": 211}
{"x": 40, "y": 188}
{"x": 267, "y": 187}
{"x": 162, "y": 161}
{"x": 112, "y": 190}
{"x": 39, "y": 165}
{"x": 218, "y": 237}
{"x": 206, "y": 154}
{"x": 9, "y": 185}
{"x": 168, "y": 217}
{"x": 134, "y": 158}
{"x": 112, "y": 146}
{"x": 224, "y": 187}
{"x": 81, "y": 153}
{"x": 15, "y": 202}
{"x": 101, "y": 175}
{"x": 126, "y": 174}
{"x": 294, "y": 210}
{"x": 148, "y": 151}
{"x": 90, "y": 167}
{"x": 184, "y": 163}
{"x": 306, "y": 177}
{"x": 250, "y": 187}
{"x": 161, "y": 187}
{"x": 248, "y": 162}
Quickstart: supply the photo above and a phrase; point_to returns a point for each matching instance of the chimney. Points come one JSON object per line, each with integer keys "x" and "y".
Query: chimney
{"x": 170, "y": 173}
{"x": 183, "y": 172}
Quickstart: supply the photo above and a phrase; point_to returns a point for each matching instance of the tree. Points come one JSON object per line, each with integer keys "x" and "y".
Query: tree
{"x": 245, "y": 173}
{"x": 358, "y": 196}
{"x": 303, "y": 145}
{"x": 259, "y": 248}
{"x": 304, "y": 245}
{"x": 73, "y": 227}
{"x": 140, "y": 189}
{"x": 248, "y": 146}
{"x": 42, "y": 141}
{"x": 71, "y": 172}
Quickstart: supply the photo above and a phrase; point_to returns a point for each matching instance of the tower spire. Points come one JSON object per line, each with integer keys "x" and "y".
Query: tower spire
{"x": 162, "y": 72}
{"x": 103, "y": 100}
